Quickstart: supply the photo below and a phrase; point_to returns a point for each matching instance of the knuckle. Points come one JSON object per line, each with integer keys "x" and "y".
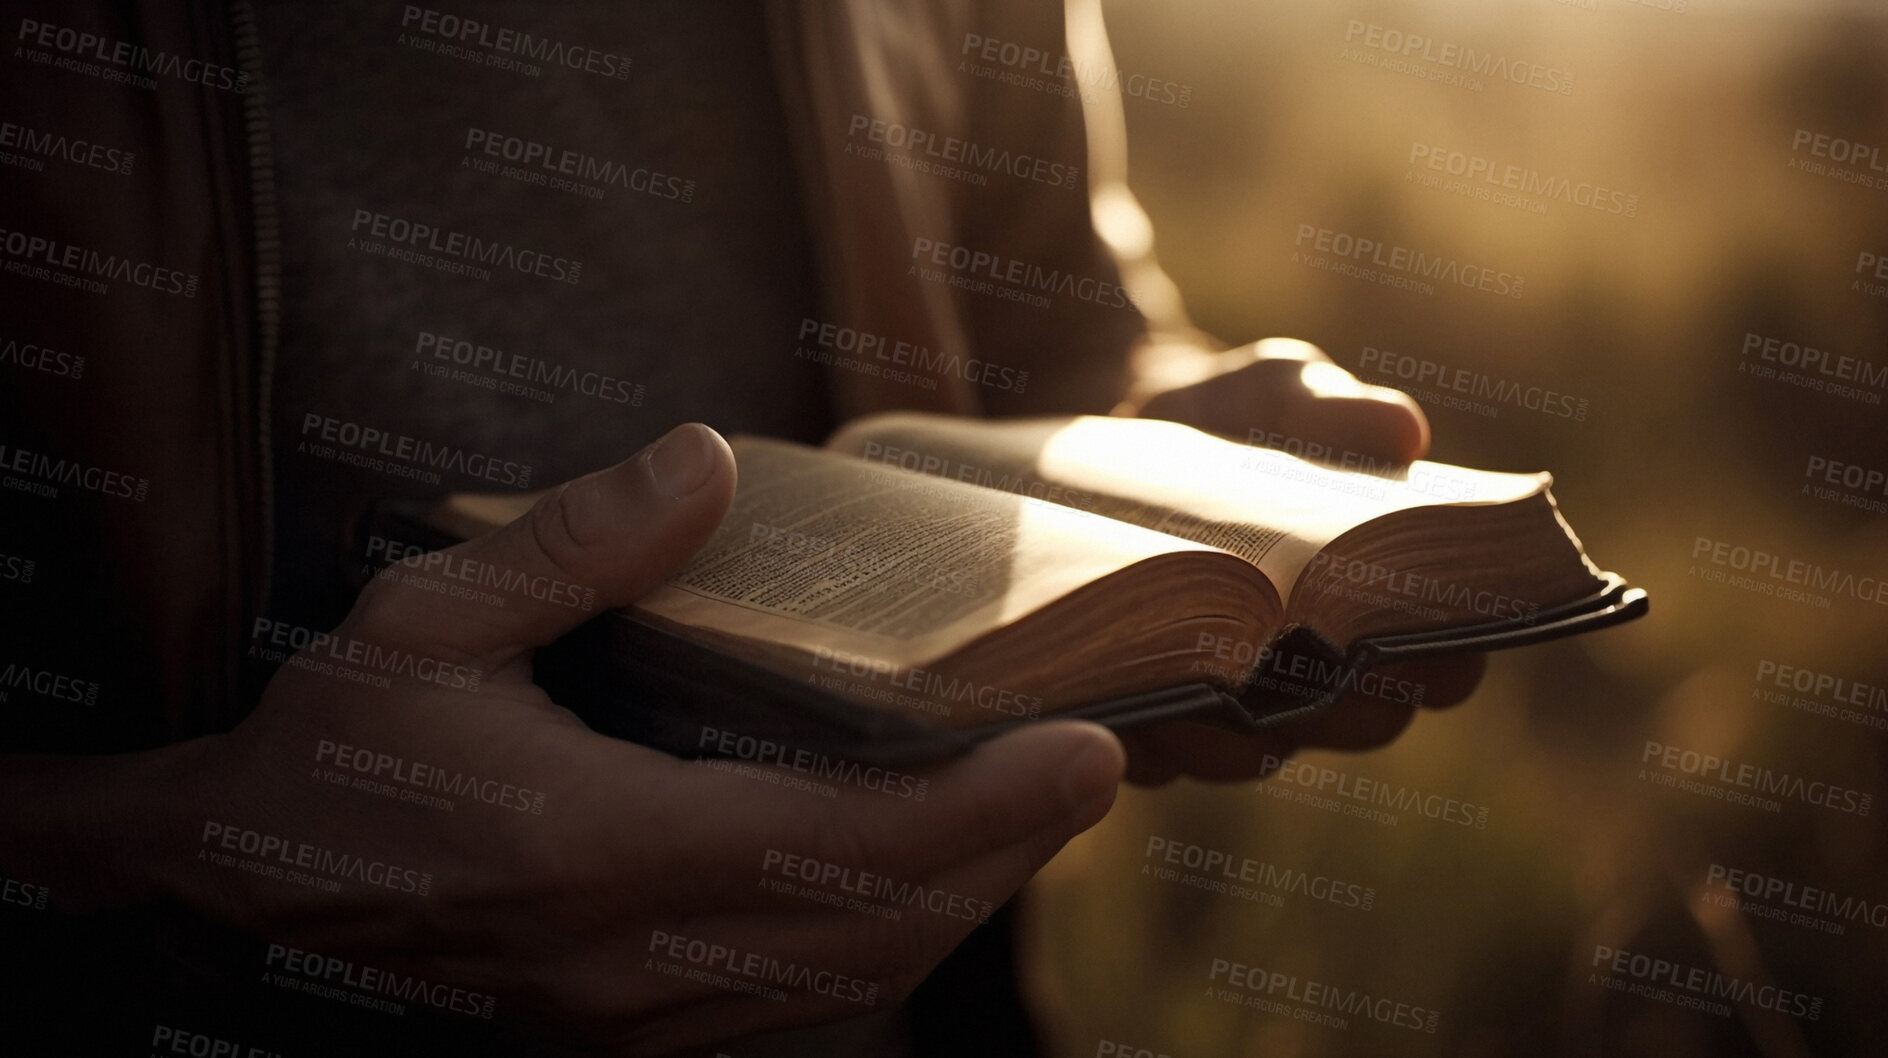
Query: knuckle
{"x": 993, "y": 823}
{"x": 559, "y": 535}
{"x": 1031, "y": 854}
{"x": 896, "y": 955}
{"x": 836, "y": 840}
{"x": 403, "y": 608}
{"x": 383, "y": 606}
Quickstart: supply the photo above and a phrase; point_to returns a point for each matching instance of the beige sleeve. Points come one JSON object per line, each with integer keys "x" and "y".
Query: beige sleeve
{"x": 920, "y": 64}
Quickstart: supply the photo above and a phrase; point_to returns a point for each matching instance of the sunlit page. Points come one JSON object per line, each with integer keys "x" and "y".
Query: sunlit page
{"x": 1272, "y": 509}
{"x": 820, "y": 551}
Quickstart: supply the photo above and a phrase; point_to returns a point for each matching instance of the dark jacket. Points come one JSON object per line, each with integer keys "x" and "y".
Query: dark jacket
{"x": 139, "y": 276}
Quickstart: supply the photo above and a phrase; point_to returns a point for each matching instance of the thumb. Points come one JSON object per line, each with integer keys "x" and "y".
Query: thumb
{"x": 1291, "y": 392}
{"x": 591, "y": 544}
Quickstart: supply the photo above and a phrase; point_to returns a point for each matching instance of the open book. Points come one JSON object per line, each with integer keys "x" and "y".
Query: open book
{"x": 923, "y": 580}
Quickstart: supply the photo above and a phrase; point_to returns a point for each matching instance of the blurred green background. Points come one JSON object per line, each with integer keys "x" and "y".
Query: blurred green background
{"x": 1644, "y": 318}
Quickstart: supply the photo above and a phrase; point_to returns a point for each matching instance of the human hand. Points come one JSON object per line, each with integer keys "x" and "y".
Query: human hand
{"x": 1286, "y": 393}
{"x": 586, "y": 883}
{"x": 1282, "y": 392}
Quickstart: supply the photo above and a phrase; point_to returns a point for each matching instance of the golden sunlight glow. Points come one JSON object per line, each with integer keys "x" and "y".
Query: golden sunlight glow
{"x": 1122, "y": 223}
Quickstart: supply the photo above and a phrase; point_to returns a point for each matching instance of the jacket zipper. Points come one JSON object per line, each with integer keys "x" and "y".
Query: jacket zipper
{"x": 266, "y": 220}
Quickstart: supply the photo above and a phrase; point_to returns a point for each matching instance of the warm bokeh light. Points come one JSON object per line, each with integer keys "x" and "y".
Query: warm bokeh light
{"x": 1637, "y": 311}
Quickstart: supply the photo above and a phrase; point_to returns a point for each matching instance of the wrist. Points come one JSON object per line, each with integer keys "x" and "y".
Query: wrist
{"x": 177, "y": 790}
{"x": 102, "y": 828}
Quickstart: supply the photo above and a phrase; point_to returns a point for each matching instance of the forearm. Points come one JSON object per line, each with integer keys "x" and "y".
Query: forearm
{"x": 89, "y": 829}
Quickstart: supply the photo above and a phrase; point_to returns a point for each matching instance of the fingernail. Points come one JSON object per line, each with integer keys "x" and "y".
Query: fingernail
{"x": 684, "y": 459}
{"x": 1089, "y": 780}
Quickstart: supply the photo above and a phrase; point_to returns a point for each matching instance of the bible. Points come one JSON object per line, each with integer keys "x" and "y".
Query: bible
{"x": 923, "y": 581}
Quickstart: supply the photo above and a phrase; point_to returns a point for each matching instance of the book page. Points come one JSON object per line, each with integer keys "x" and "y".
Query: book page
{"x": 1272, "y": 509}
{"x": 823, "y": 552}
